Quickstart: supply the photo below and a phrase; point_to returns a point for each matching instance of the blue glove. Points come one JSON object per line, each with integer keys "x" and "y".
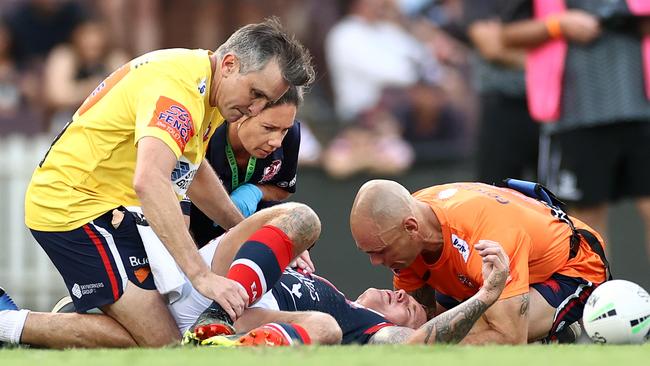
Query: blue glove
{"x": 246, "y": 197}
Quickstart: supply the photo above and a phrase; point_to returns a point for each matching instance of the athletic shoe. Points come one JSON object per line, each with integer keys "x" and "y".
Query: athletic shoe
{"x": 65, "y": 305}
{"x": 213, "y": 321}
{"x": 6, "y": 303}
{"x": 221, "y": 341}
{"x": 265, "y": 335}
{"x": 570, "y": 334}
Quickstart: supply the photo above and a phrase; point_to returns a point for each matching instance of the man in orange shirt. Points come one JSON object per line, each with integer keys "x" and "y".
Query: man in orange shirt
{"x": 433, "y": 239}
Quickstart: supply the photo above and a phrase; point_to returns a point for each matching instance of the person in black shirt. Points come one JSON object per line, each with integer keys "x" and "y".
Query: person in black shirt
{"x": 256, "y": 159}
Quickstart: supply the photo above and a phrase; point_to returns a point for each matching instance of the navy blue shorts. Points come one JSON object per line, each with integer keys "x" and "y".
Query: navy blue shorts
{"x": 97, "y": 260}
{"x": 568, "y": 295}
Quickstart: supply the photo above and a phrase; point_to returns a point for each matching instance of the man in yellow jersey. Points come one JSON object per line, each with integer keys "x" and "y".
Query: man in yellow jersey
{"x": 139, "y": 140}
{"x": 434, "y": 240}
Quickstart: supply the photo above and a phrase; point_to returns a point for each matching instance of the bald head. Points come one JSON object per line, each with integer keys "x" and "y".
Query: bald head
{"x": 380, "y": 204}
{"x": 384, "y": 202}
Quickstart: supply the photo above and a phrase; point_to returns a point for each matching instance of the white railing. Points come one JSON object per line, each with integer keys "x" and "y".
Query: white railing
{"x": 25, "y": 270}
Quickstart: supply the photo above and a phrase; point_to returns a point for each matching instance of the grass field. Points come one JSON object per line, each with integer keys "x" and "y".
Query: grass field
{"x": 577, "y": 355}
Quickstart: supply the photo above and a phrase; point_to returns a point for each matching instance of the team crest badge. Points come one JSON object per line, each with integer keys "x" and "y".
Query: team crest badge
{"x": 271, "y": 170}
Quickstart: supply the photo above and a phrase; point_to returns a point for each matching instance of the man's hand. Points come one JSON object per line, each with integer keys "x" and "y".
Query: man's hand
{"x": 496, "y": 268}
{"x": 303, "y": 261}
{"x": 227, "y": 293}
{"x": 579, "y": 26}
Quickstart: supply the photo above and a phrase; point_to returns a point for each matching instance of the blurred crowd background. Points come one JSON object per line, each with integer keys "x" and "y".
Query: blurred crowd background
{"x": 394, "y": 82}
{"x": 421, "y": 91}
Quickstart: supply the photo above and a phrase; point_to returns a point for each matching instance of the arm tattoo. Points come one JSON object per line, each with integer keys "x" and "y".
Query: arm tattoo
{"x": 525, "y": 299}
{"x": 453, "y": 325}
{"x": 426, "y": 296}
{"x": 391, "y": 335}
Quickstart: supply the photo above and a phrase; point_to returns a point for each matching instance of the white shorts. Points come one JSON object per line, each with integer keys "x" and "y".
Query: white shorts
{"x": 187, "y": 309}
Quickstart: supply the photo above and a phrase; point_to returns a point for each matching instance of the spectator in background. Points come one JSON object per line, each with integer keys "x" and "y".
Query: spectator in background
{"x": 73, "y": 69}
{"x": 600, "y": 138}
{"x": 361, "y": 68}
{"x": 37, "y": 26}
{"x": 386, "y": 82}
{"x": 507, "y": 143}
{"x": 18, "y": 91}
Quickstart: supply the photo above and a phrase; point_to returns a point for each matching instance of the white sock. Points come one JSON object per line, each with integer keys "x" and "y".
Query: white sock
{"x": 12, "y": 323}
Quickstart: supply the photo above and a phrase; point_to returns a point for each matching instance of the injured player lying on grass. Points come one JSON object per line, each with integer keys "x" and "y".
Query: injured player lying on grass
{"x": 323, "y": 315}
{"x": 303, "y": 308}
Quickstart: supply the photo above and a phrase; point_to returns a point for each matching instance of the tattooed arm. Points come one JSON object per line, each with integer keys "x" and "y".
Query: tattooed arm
{"x": 391, "y": 335}
{"x": 453, "y": 325}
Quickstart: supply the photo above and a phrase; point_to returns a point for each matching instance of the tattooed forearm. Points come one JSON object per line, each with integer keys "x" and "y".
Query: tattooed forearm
{"x": 426, "y": 296}
{"x": 523, "y": 310}
{"x": 391, "y": 335}
{"x": 453, "y": 325}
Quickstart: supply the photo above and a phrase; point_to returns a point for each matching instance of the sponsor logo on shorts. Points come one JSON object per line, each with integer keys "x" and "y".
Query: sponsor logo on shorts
{"x": 173, "y": 118}
{"x": 142, "y": 273}
{"x": 137, "y": 262}
{"x": 461, "y": 246}
{"x": 79, "y": 290}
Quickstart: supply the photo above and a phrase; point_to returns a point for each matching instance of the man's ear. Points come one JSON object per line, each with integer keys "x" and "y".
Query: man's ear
{"x": 229, "y": 64}
{"x": 410, "y": 224}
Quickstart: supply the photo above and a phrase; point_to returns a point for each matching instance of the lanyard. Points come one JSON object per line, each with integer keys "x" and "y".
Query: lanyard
{"x": 250, "y": 168}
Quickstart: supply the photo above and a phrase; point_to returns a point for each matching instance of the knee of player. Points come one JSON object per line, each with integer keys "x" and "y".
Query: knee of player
{"x": 157, "y": 340}
{"x": 300, "y": 221}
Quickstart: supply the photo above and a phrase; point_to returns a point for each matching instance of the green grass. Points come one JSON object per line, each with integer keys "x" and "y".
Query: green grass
{"x": 576, "y": 355}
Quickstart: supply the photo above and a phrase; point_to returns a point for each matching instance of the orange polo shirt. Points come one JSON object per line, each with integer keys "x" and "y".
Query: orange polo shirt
{"x": 536, "y": 242}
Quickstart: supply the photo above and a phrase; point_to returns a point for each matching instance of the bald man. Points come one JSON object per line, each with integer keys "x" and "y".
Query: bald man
{"x": 434, "y": 241}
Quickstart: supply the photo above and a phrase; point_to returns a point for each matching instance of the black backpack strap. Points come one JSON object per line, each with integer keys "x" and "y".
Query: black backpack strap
{"x": 541, "y": 193}
{"x": 597, "y": 247}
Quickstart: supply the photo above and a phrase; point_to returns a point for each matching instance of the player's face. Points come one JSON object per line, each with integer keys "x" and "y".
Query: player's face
{"x": 247, "y": 94}
{"x": 263, "y": 134}
{"x": 398, "y": 307}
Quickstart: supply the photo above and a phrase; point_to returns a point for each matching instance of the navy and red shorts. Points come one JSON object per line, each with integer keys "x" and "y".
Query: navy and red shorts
{"x": 568, "y": 295}
{"x": 97, "y": 260}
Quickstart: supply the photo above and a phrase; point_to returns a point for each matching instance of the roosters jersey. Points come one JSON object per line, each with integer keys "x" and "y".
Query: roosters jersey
{"x": 304, "y": 292}
{"x": 90, "y": 166}
{"x": 536, "y": 242}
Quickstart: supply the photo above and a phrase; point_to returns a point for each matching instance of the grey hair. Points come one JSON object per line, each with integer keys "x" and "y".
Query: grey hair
{"x": 293, "y": 96}
{"x": 257, "y": 44}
